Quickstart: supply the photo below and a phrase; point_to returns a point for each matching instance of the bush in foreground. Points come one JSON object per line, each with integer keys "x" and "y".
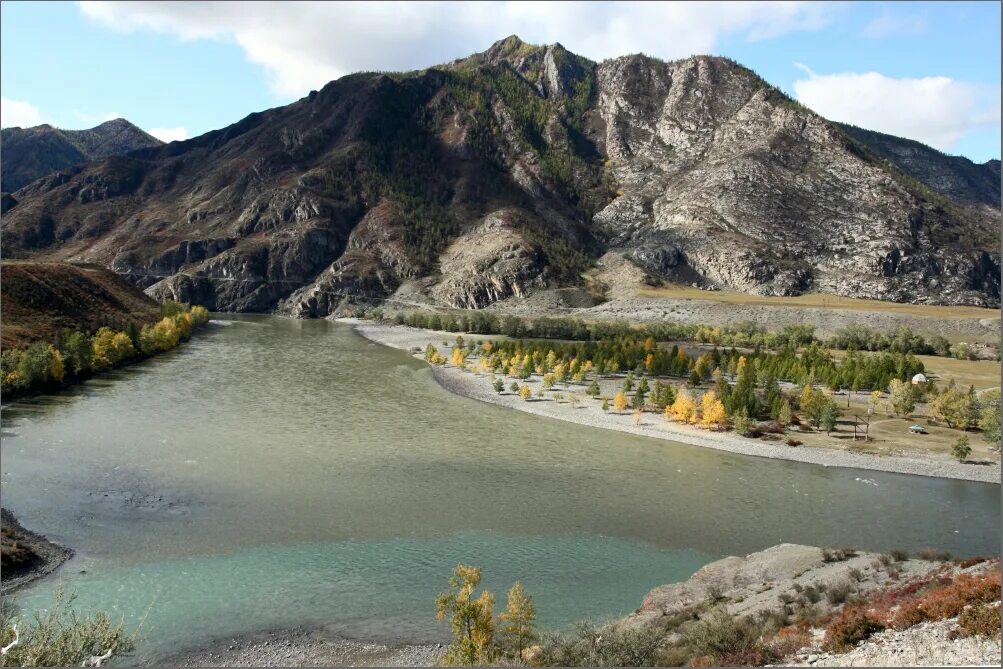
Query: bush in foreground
{"x": 60, "y": 637}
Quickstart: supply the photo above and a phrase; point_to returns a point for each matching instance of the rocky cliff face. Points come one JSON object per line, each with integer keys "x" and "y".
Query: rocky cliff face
{"x": 30, "y": 153}
{"x": 511, "y": 170}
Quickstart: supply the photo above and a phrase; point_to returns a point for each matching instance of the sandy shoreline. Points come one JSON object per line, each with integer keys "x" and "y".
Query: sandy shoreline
{"x": 589, "y": 412}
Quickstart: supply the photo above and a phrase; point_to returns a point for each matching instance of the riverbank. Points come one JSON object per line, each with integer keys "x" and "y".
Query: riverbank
{"x": 27, "y": 556}
{"x": 477, "y": 386}
{"x": 305, "y": 648}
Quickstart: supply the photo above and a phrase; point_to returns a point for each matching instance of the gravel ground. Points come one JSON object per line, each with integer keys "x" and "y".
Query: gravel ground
{"x": 305, "y": 648}
{"x": 923, "y": 645}
{"x": 589, "y": 412}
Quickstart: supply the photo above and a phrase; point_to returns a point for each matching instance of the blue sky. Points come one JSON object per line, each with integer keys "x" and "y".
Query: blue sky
{"x": 930, "y": 71}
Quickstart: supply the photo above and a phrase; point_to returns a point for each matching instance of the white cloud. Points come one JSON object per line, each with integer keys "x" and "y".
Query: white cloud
{"x": 177, "y": 134}
{"x": 303, "y": 45}
{"x": 937, "y": 111}
{"x": 18, "y": 113}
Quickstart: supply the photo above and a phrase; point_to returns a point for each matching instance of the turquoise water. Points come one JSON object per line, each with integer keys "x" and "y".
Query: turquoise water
{"x": 273, "y": 473}
{"x": 371, "y": 589}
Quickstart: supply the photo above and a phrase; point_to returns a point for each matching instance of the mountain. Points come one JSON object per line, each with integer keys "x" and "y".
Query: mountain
{"x": 511, "y": 171}
{"x": 30, "y": 153}
{"x": 956, "y": 177}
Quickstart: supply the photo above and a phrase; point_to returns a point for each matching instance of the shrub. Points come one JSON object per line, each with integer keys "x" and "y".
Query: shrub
{"x": 793, "y": 442}
{"x": 947, "y": 601}
{"x": 971, "y": 562}
{"x": 728, "y": 641}
{"x": 611, "y": 646}
{"x": 838, "y": 555}
{"x": 61, "y": 637}
{"x": 898, "y": 555}
{"x": 931, "y": 555}
{"x": 851, "y": 626}
{"x": 979, "y": 620}
{"x": 838, "y": 592}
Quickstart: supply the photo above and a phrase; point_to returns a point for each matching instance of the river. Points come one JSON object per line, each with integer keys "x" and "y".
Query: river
{"x": 275, "y": 472}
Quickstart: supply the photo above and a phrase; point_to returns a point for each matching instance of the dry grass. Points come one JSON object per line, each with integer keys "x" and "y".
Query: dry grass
{"x": 889, "y": 435}
{"x": 819, "y": 300}
{"x": 982, "y": 374}
{"x": 40, "y": 298}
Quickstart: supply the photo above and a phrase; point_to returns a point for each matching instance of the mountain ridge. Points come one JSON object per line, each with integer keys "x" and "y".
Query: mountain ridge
{"x": 31, "y": 153}
{"x": 509, "y": 171}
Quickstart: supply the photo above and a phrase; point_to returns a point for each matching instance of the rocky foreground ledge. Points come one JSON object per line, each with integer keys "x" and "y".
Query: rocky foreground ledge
{"x": 821, "y": 583}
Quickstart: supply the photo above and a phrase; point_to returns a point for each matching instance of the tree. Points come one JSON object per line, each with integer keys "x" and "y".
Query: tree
{"x": 457, "y": 357}
{"x": 548, "y": 380}
{"x": 471, "y": 620}
{"x": 498, "y": 385}
{"x": 200, "y": 315}
{"x": 110, "y": 348}
{"x": 951, "y": 406}
{"x": 901, "y": 397}
{"x": 830, "y": 414}
{"x": 961, "y": 448}
{"x": 619, "y": 402}
{"x": 742, "y": 422}
{"x": 683, "y": 409}
{"x": 972, "y": 408}
{"x": 628, "y": 382}
{"x": 162, "y": 336}
{"x": 514, "y": 387}
{"x": 525, "y": 392}
{"x": 712, "y": 411}
{"x": 784, "y": 413}
{"x": 593, "y": 389}
{"x": 605, "y": 405}
{"x": 77, "y": 353}
{"x": 516, "y": 630}
{"x": 641, "y": 394}
{"x": 989, "y": 419}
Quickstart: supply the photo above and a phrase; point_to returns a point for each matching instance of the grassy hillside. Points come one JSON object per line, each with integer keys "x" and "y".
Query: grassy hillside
{"x": 38, "y": 299}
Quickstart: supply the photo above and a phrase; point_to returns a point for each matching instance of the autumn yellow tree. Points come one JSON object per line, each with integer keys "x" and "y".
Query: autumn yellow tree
{"x": 457, "y": 357}
{"x": 471, "y": 619}
{"x": 110, "y": 348}
{"x": 516, "y": 631}
{"x": 684, "y": 409}
{"x": 525, "y": 392}
{"x": 200, "y": 315}
{"x": 620, "y": 402}
{"x": 713, "y": 414}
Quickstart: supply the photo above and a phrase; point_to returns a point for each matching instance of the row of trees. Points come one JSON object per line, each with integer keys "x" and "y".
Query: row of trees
{"x": 813, "y": 365}
{"x": 76, "y": 354}
{"x": 901, "y": 340}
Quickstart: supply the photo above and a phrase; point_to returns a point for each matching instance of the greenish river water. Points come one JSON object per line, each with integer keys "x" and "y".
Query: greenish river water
{"x": 274, "y": 472}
